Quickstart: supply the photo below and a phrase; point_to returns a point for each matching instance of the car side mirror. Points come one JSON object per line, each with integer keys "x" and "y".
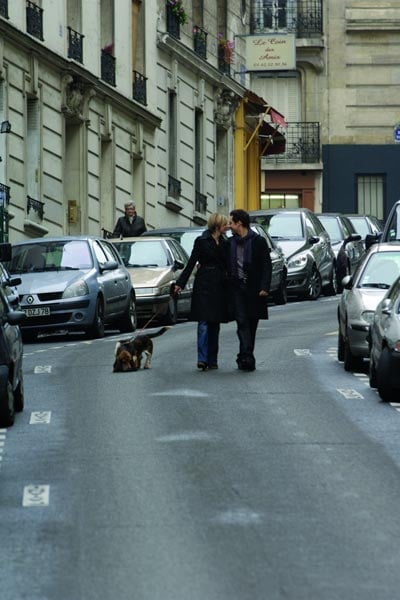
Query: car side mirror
{"x": 15, "y": 317}
{"x": 385, "y": 306}
{"x": 313, "y": 239}
{"x": 14, "y": 281}
{"x": 353, "y": 237}
{"x": 110, "y": 265}
{"x": 371, "y": 239}
{"x": 347, "y": 282}
{"x": 178, "y": 264}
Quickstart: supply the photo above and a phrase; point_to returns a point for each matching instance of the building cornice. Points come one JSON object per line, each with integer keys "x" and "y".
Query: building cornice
{"x": 66, "y": 66}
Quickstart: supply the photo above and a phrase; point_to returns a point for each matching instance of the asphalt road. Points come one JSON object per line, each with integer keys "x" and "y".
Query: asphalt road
{"x": 173, "y": 484}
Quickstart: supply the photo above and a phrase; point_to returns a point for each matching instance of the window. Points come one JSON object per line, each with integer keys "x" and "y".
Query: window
{"x": 198, "y": 150}
{"x": 280, "y": 200}
{"x": 371, "y": 195}
{"x": 172, "y": 134}
{"x": 33, "y": 148}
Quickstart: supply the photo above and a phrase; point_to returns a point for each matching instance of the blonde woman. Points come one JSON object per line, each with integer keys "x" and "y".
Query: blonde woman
{"x": 209, "y": 306}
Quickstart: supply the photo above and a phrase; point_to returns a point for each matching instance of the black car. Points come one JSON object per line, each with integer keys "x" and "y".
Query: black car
{"x": 366, "y": 226}
{"x": 311, "y": 262}
{"x": 346, "y": 243}
{"x": 11, "y": 348}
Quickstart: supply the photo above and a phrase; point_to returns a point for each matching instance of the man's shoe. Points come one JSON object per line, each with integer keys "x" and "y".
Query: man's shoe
{"x": 202, "y": 365}
{"x": 213, "y": 367}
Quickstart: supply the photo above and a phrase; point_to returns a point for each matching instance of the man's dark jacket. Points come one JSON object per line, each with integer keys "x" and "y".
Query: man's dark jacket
{"x": 258, "y": 276}
{"x": 126, "y": 229}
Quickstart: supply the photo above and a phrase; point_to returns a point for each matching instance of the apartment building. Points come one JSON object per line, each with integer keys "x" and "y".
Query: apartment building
{"x": 341, "y": 103}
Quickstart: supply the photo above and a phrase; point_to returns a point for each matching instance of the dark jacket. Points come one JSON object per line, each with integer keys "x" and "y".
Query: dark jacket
{"x": 125, "y": 229}
{"x": 258, "y": 275}
{"x": 209, "y": 301}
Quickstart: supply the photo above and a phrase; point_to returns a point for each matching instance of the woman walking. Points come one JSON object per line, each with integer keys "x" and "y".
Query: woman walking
{"x": 209, "y": 305}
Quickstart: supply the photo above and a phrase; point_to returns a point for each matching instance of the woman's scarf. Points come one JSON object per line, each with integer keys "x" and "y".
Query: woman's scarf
{"x": 247, "y": 252}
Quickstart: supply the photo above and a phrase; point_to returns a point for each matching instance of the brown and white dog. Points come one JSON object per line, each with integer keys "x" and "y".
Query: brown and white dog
{"x": 128, "y": 353}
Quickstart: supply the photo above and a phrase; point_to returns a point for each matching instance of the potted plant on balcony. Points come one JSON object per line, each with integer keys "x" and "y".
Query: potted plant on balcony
{"x": 225, "y": 53}
{"x": 175, "y": 7}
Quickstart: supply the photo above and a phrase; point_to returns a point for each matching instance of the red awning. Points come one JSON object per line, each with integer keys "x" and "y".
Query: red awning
{"x": 271, "y": 140}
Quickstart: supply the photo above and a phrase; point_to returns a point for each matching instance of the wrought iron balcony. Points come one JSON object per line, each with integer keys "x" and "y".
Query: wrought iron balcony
{"x": 304, "y": 17}
{"x": 139, "y": 91}
{"x": 173, "y": 24}
{"x": 224, "y": 60}
{"x": 4, "y": 8}
{"x": 108, "y": 67}
{"x": 35, "y": 205}
{"x": 75, "y": 45}
{"x": 174, "y": 187}
{"x": 200, "y": 41}
{"x": 200, "y": 203}
{"x": 34, "y": 20}
{"x": 302, "y": 144}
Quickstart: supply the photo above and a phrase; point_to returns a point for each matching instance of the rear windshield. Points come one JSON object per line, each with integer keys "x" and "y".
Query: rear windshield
{"x": 282, "y": 226}
{"x": 332, "y": 227}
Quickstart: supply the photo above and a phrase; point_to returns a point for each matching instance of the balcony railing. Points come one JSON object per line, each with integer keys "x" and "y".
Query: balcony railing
{"x": 139, "y": 90}
{"x": 34, "y": 20}
{"x": 304, "y": 17}
{"x": 36, "y": 205}
{"x": 200, "y": 203}
{"x": 200, "y": 41}
{"x": 173, "y": 24}
{"x": 302, "y": 144}
{"x": 108, "y": 67}
{"x": 4, "y": 217}
{"x": 4, "y": 8}
{"x": 224, "y": 60}
{"x": 75, "y": 45}
{"x": 174, "y": 187}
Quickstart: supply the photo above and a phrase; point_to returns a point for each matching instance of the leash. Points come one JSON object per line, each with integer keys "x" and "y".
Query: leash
{"x": 148, "y": 322}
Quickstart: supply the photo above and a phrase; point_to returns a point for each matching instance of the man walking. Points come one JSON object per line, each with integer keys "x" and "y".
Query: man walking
{"x": 250, "y": 269}
{"x": 129, "y": 225}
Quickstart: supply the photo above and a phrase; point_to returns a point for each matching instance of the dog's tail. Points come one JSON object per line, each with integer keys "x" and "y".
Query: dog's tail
{"x": 159, "y": 332}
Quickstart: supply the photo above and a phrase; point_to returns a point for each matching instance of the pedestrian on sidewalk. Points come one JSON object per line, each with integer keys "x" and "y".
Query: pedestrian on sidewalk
{"x": 250, "y": 269}
{"x": 209, "y": 298}
{"x": 130, "y": 224}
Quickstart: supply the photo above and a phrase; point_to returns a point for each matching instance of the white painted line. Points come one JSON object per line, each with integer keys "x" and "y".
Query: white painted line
{"x": 40, "y": 417}
{"x": 302, "y": 352}
{"x": 36, "y": 495}
{"x": 394, "y": 403}
{"x": 360, "y": 375}
{"x": 350, "y": 394}
{"x": 398, "y": 409}
{"x": 3, "y": 430}
{"x": 2, "y": 444}
{"x": 42, "y": 369}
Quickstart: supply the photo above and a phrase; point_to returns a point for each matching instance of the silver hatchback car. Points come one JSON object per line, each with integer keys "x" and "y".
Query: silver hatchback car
{"x": 361, "y": 294}
{"x": 72, "y": 283}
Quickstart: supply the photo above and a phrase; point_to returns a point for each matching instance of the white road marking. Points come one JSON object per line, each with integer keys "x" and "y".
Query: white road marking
{"x": 302, "y": 352}
{"x": 394, "y": 404}
{"x": 240, "y": 516}
{"x": 36, "y": 495}
{"x": 40, "y": 417}
{"x": 2, "y": 444}
{"x": 42, "y": 369}
{"x": 187, "y": 436}
{"x": 350, "y": 394}
{"x": 183, "y": 393}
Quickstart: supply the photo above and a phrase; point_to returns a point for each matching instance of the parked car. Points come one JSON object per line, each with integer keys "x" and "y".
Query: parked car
{"x": 365, "y": 225}
{"x": 346, "y": 244}
{"x": 361, "y": 294}
{"x": 11, "y": 352}
{"x": 154, "y": 265}
{"x": 391, "y": 230}
{"x": 384, "y": 363}
{"x": 278, "y": 288}
{"x": 311, "y": 262}
{"x": 72, "y": 283}
{"x": 184, "y": 235}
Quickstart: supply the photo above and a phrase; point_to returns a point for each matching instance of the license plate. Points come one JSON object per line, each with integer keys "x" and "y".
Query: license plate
{"x": 37, "y": 311}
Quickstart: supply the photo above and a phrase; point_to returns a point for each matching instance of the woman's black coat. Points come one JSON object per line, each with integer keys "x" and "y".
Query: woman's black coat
{"x": 258, "y": 277}
{"x": 209, "y": 302}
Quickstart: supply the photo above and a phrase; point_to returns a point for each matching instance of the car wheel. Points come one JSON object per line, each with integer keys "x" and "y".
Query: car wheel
{"x": 372, "y": 373}
{"x": 332, "y": 288}
{"x": 280, "y": 296}
{"x": 97, "y": 328}
{"x": 19, "y": 394}
{"x": 6, "y": 399}
{"x": 385, "y": 390}
{"x": 29, "y": 337}
{"x": 129, "y": 321}
{"x": 314, "y": 285}
{"x": 171, "y": 316}
{"x": 351, "y": 362}
{"x": 340, "y": 346}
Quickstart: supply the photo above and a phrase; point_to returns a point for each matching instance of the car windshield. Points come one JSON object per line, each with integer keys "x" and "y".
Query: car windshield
{"x": 393, "y": 232}
{"x": 360, "y": 225}
{"x": 50, "y": 256}
{"x": 143, "y": 254}
{"x": 332, "y": 227}
{"x": 282, "y": 226}
{"x": 381, "y": 270}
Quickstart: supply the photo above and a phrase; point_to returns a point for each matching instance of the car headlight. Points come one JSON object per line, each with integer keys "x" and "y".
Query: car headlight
{"x": 298, "y": 262}
{"x": 368, "y": 316}
{"x": 78, "y": 288}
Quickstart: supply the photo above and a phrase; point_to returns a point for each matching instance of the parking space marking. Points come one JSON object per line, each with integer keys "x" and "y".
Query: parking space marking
{"x": 350, "y": 394}
{"x": 302, "y": 352}
{"x": 36, "y": 495}
{"x": 40, "y": 417}
{"x": 42, "y": 369}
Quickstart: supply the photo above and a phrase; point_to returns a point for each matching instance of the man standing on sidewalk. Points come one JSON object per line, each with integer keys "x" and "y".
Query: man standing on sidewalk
{"x": 250, "y": 269}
